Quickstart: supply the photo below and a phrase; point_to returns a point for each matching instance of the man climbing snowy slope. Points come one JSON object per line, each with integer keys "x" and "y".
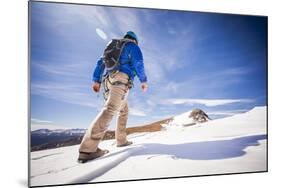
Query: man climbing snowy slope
{"x": 122, "y": 61}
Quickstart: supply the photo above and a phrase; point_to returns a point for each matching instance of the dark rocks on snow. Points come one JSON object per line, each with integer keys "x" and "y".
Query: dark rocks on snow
{"x": 199, "y": 116}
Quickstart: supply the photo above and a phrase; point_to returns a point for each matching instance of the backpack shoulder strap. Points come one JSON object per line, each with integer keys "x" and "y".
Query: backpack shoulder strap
{"x": 125, "y": 40}
{"x": 123, "y": 43}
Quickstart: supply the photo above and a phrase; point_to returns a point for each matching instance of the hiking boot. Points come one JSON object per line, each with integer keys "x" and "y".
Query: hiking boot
{"x": 84, "y": 157}
{"x": 126, "y": 144}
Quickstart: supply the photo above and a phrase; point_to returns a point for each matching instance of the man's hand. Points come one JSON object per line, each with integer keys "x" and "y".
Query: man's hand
{"x": 96, "y": 87}
{"x": 144, "y": 86}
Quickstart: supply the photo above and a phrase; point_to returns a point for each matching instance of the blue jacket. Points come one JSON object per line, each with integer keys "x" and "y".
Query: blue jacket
{"x": 131, "y": 63}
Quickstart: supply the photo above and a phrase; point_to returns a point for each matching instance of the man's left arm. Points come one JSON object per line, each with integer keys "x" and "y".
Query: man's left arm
{"x": 137, "y": 61}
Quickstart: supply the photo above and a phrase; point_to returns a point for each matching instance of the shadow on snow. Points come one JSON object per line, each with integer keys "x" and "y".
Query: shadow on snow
{"x": 207, "y": 150}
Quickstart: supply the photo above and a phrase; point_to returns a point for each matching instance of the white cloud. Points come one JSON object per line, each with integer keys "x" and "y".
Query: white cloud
{"x": 37, "y": 124}
{"x": 69, "y": 93}
{"x": 136, "y": 112}
{"x": 171, "y": 31}
{"x": 101, "y": 33}
{"x": 35, "y": 127}
{"x": 207, "y": 102}
{"x": 33, "y": 120}
{"x": 155, "y": 72}
{"x": 61, "y": 68}
{"x": 127, "y": 19}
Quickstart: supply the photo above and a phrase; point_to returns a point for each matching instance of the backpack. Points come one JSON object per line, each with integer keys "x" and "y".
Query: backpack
{"x": 112, "y": 53}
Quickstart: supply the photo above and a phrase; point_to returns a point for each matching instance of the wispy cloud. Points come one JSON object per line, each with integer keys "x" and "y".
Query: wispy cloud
{"x": 101, "y": 33}
{"x": 61, "y": 68}
{"x": 73, "y": 94}
{"x": 207, "y": 102}
{"x": 182, "y": 66}
{"x": 136, "y": 112}
{"x": 33, "y": 120}
{"x": 37, "y": 124}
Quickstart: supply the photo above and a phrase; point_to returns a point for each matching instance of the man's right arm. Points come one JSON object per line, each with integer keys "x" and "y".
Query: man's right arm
{"x": 98, "y": 71}
{"x": 97, "y": 75}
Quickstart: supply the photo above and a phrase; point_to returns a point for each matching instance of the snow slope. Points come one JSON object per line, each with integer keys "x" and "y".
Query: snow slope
{"x": 230, "y": 145}
{"x": 181, "y": 120}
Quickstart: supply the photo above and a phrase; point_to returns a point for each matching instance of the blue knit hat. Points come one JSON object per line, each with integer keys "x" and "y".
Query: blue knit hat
{"x": 131, "y": 34}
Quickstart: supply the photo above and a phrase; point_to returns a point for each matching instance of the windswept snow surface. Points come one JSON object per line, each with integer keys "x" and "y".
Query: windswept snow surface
{"x": 229, "y": 145}
{"x": 181, "y": 120}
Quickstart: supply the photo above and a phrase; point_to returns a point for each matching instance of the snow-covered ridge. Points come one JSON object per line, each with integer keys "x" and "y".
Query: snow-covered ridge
{"x": 185, "y": 119}
{"x": 181, "y": 119}
{"x": 258, "y": 109}
{"x": 191, "y": 117}
{"x": 230, "y": 145}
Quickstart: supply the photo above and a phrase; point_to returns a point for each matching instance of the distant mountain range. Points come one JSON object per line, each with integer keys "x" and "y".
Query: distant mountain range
{"x": 47, "y": 139}
{"x": 58, "y": 132}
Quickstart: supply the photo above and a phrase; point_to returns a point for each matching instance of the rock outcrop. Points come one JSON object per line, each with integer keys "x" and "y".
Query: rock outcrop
{"x": 199, "y": 116}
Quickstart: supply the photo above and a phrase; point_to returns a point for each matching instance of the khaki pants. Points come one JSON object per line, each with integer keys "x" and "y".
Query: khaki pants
{"x": 116, "y": 104}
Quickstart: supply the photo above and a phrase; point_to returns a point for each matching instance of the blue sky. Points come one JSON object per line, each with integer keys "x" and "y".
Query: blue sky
{"x": 215, "y": 62}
